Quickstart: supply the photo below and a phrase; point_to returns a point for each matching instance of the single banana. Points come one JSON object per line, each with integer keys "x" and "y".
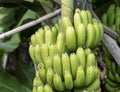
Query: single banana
{"x": 48, "y": 63}
{"x": 65, "y": 62}
{"x": 77, "y": 19}
{"x": 38, "y": 53}
{"x": 49, "y": 77}
{"x": 87, "y": 51}
{"x": 37, "y": 81}
{"x": 94, "y": 20}
{"x": 80, "y": 77}
{"x": 65, "y": 23}
{"x": 89, "y": 16}
{"x": 101, "y": 32}
{"x": 47, "y": 88}
{"x": 91, "y": 60}
{"x": 52, "y": 51}
{"x": 40, "y": 88}
{"x": 59, "y": 85}
{"x": 111, "y": 83}
{"x": 108, "y": 63}
{"x": 118, "y": 69}
{"x": 90, "y": 35}
{"x": 113, "y": 67}
{"x": 60, "y": 43}
{"x": 57, "y": 65}
{"x": 33, "y": 39}
{"x": 68, "y": 80}
{"x": 109, "y": 88}
{"x": 81, "y": 35}
{"x": 90, "y": 75}
{"x": 40, "y": 36}
{"x": 111, "y": 76}
{"x": 104, "y": 19}
{"x": 74, "y": 64}
{"x": 84, "y": 17}
{"x": 117, "y": 77}
{"x": 34, "y": 89}
{"x": 81, "y": 56}
{"x": 44, "y": 52}
{"x": 70, "y": 38}
{"x": 54, "y": 34}
{"x": 32, "y": 53}
{"x": 57, "y": 27}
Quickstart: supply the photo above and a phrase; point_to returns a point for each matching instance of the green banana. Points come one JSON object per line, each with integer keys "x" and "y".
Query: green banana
{"x": 101, "y": 32}
{"x": 47, "y": 88}
{"x": 84, "y": 17}
{"x": 89, "y": 16}
{"x": 117, "y": 77}
{"x": 80, "y": 77}
{"x": 109, "y": 88}
{"x": 94, "y": 20}
{"x": 90, "y": 35}
{"x": 33, "y": 39}
{"x": 74, "y": 64}
{"x": 37, "y": 81}
{"x": 81, "y": 56}
{"x": 60, "y": 43}
{"x": 81, "y": 35}
{"x": 38, "y": 53}
{"x": 111, "y": 76}
{"x": 59, "y": 85}
{"x": 118, "y": 69}
{"x": 65, "y": 62}
{"x": 40, "y": 36}
{"x": 91, "y": 60}
{"x": 49, "y": 77}
{"x": 68, "y": 80}
{"x": 77, "y": 19}
{"x": 104, "y": 19}
{"x": 57, "y": 27}
{"x": 32, "y": 53}
{"x": 87, "y": 51}
{"x": 48, "y": 63}
{"x": 108, "y": 63}
{"x": 40, "y": 88}
{"x": 113, "y": 67}
{"x": 57, "y": 65}
{"x": 44, "y": 52}
{"x": 70, "y": 38}
{"x": 111, "y": 83}
{"x": 54, "y": 34}
{"x": 113, "y": 27}
{"x": 34, "y": 89}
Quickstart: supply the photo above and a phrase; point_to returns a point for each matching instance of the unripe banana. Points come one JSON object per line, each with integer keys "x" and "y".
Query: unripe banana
{"x": 65, "y": 62}
{"x": 37, "y": 81}
{"x": 104, "y": 19}
{"x": 59, "y": 85}
{"x": 84, "y": 18}
{"x": 57, "y": 27}
{"x": 89, "y": 16}
{"x": 81, "y": 56}
{"x": 117, "y": 77}
{"x": 111, "y": 83}
{"x": 38, "y": 53}
{"x": 48, "y": 63}
{"x": 113, "y": 27}
{"x": 70, "y": 38}
{"x": 32, "y": 53}
{"x": 80, "y": 77}
{"x": 40, "y": 88}
{"x": 90, "y": 35}
{"x": 44, "y": 52}
{"x": 108, "y": 63}
{"x": 87, "y": 51}
{"x": 60, "y": 43}
{"x": 40, "y": 36}
{"x": 50, "y": 74}
{"x": 94, "y": 20}
{"x": 65, "y": 23}
{"x": 54, "y": 34}
{"x": 91, "y": 60}
{"x": 57, "y": 65}
{"x": 109, "y": 88}
{"x": 52, "y": 51}
{"x": 34, "y": 89}
{"x": 111, "y": 76}
{"x": 81, "y": 35}
{"x": 68, "y": 80}
{"x": 90, "y": 75}
{"x": 42, "y": 75}
{"x": 33, "y": 39}
{"x": 101, "y": 32}
{"x": 47, "y": 88}
{"x": 74, "y": 64}
{"x": 77, "y": 19}
{"x": 48, "y": 37}
{"x": 113, "y": 67}
{"x": 118, "y": 69}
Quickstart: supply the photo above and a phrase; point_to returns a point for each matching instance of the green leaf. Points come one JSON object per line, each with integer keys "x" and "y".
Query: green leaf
{"x": 25, "y": 74}
{"x": 11, "y": 44}
{"x": 8, "y": 83}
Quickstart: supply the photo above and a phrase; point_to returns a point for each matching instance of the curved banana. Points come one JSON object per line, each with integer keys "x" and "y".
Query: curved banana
{"x": 59, "y": 85}
{"x": 113, "y": 67}
{"x": 49, "y": 77}
{"x": 111, "y": 76}
{"x": 90, "y": 35}
{"x": 81, "y": 35}
{"x": 57, "y": 65}
{"x": 60, "y": 43}
{"x": 68, "y": 80}
{"x": 37, "y": 81}
{"x": 34, "y": 89}
{"x": 89, "y": 16}
{"x": 94, "y": 20}
{"x": 81, "y": 56}
{"x": 70, "y": 38}
{"x": 57, "y": 27}
{"x": 47, "y": 88}
{"x": 118, "y": 69}
{"x": 117, "y": 77}
{"x": 33, "y": 39}
{"x": 52, "y": 51}
{"x": 74, "y": 64}
{"x": 54, "y": 34}
{"x": 101, "y": 32}
{"x": 109, "y": 88}
{"x": 84, "y": 17}
{"x": 111, "y": 83}
{"x": 87, "y": 51}
{"x": 104, "y": 19}
{"x": 108, "y": 63}
{"x": 80, "y": 77}
{"x": 40, "y": 88}
{"x": 48, "y": 63}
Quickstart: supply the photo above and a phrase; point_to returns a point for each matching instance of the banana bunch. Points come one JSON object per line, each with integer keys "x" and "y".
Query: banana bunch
{"x": 112, "y": 81}
{"x": 67, "y": 72}
{"x": 112, "y": 18}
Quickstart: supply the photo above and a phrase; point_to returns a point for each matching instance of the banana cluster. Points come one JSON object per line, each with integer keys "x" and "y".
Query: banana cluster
{"x": 68, "y": 72}
{"x": 112, "y": 18}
